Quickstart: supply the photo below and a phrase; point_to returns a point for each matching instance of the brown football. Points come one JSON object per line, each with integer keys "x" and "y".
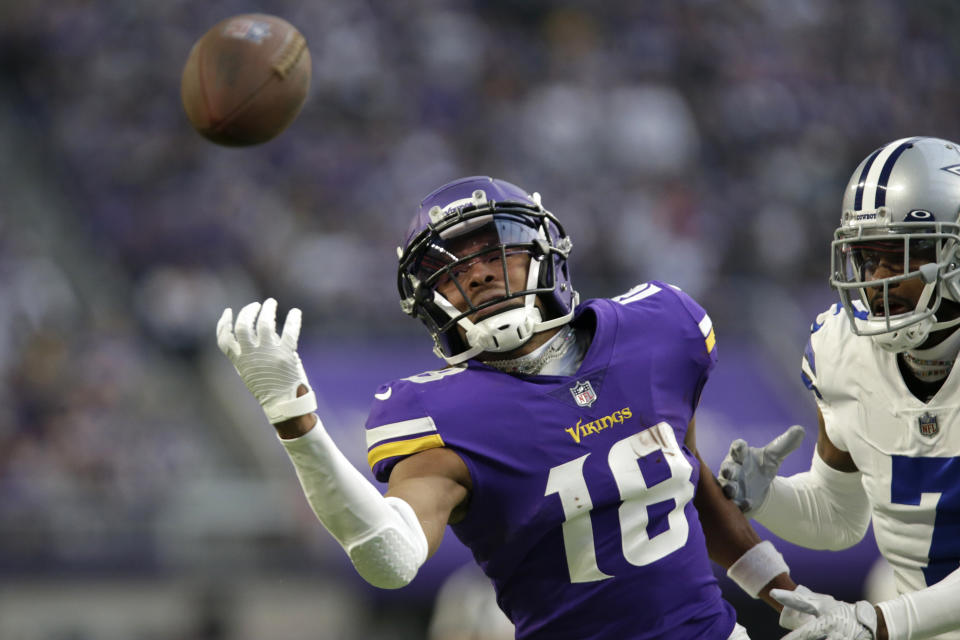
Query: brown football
{"x": 246, "y": 79}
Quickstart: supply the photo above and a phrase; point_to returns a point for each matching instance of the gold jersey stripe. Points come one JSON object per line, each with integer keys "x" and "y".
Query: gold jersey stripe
{"x": 711, "y": 341}
{"x": 403, "y": 448}
{"x": 396, "y": 430}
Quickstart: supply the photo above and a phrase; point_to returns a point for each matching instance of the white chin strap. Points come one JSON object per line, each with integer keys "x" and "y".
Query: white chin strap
{"x": 909, "y": 335}
{"x": 913, "y": 335}
{"x": 499, "y": 333}
{"x": 904, "y": 339}
{"x": 504, "y": 331}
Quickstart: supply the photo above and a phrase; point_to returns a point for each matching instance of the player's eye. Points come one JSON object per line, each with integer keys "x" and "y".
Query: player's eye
{"x": 868, "y": 257}
{"x": 923, "y": 251}
{"x": 462, "y": 268}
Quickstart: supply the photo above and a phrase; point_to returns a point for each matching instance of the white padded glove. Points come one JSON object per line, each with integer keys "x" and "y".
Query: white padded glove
{"x": 791, "y": 618}
{"x": 746, "y": 472}
{"x": 834, "y": 620}
{"x": 267, "y": 363}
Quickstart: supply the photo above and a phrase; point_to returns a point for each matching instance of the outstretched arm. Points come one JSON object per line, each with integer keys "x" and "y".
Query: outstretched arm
{"x": 435, "y": 483}
{"x": 823, "y": 508}
{"x": 383, "y": 535}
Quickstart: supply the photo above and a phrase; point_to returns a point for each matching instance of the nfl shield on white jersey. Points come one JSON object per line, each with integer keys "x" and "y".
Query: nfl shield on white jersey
{"x": 907, "y": 451}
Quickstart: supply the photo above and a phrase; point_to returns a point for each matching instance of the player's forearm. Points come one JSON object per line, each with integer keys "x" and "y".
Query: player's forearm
{"x": 925, "y": 613}
{"x": 299, "y": 426}
{"x": 882, "y": 633}
{"x": 728, "y": 534}
{"x": 382, "y": 536}
{"x": 730, "y": 539}
{"x": 819, "y": 509}
{"x": 295, "y": 427}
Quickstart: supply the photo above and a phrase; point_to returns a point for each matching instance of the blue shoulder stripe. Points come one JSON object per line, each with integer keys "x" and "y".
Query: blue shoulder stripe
{"x": 810, "y": 357}
{"x": 860, "y": 314}
{"x": 809, "y": 384}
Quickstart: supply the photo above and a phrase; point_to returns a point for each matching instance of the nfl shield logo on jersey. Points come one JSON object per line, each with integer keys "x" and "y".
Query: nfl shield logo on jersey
{"x": 583, "y": 393}
{"x": 928, "y": 425}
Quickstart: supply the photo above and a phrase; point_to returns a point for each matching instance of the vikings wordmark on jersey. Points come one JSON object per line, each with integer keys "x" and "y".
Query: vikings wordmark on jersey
{"x": 582, "y": 486}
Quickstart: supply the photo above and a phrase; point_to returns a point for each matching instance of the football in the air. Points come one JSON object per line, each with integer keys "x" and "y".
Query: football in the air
{"x": 246, "y": 79}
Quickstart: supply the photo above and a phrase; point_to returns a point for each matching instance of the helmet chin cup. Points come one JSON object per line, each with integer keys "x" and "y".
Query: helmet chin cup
{"x": 504, "y": 331}
{"x": 907, "y": 338}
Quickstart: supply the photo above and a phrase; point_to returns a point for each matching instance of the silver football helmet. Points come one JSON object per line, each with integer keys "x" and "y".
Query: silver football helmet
{"x": 900, "y": 222}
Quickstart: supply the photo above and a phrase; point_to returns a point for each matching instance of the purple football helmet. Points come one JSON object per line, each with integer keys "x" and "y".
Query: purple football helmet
{"x": 484, "y": 219}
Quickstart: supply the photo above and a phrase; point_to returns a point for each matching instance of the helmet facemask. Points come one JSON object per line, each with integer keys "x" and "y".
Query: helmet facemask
{"x": 500, "y": 235}
{"x": 903, "y": 254}
{"x": 895, "y": 255}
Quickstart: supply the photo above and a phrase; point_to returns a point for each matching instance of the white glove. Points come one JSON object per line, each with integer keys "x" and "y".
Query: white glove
{"x": 834, "y": 620}
{"x": 746, "y": 472}
{"x": 791, "y": 618}
{"x": 267, "y": 363}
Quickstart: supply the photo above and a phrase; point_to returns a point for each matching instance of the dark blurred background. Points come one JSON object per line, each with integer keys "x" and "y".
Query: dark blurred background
{"x": 701, "y": 142}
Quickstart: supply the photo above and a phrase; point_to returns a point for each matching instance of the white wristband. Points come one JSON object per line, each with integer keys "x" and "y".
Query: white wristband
{"x": 293, "y": 408}
{"x": 757, "y": 567}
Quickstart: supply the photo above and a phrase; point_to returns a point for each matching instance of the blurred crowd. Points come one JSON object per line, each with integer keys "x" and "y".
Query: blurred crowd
{"x": 701, "y": 142}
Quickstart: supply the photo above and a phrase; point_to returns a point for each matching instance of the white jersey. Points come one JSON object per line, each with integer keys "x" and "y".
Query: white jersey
{"x": 908, "y": 451}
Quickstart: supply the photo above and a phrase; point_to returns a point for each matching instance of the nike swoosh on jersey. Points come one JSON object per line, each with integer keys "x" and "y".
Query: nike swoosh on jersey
{"x": 385, "y": 395}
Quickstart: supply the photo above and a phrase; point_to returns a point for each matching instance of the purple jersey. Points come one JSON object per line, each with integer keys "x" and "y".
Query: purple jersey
{"x": 581, "y": 511}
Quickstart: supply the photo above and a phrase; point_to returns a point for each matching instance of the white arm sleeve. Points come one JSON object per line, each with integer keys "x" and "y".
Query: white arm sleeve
{"x": 382, "y": 535}
{"x": 925, "y": 613}
{"x": 819, "y": 509}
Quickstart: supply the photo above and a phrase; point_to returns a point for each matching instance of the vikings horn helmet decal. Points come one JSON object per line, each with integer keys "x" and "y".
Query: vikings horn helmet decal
{"x": 495, "y": 219}
{"x": 900, "y": 209}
